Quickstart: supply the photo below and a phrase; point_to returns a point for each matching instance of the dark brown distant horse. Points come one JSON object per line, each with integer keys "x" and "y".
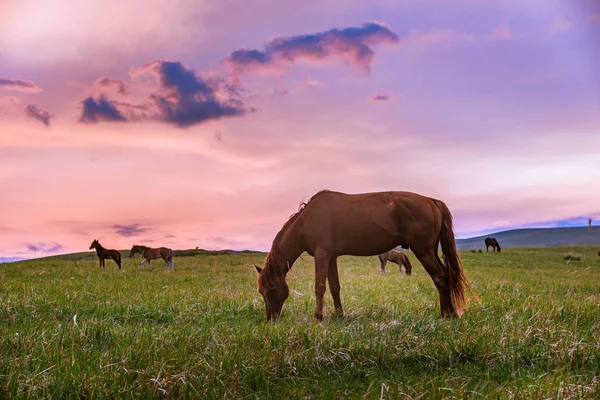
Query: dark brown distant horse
{"x": 103, "y": 253}
{"x": 397, "y": 257}
{"x": 150, "y": 254}
{"x": 332, "y": 224}
{"x": 492, "y": 242}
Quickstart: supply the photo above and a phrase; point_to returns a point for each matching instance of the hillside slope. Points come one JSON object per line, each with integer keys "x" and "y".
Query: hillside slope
{"x": 531, "y": 237}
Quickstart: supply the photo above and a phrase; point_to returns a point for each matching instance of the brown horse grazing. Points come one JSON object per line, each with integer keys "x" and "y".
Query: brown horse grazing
{"x": 332, "y": 224}
{"x": 103, "y": 253}
{"x": 397, "y": 257}
{"x": 150, "y": 254}
{"x": 492, "y": 242}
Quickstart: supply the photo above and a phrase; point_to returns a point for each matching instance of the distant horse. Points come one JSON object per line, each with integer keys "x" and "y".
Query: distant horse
{"x": 492, "y": 242}
{"x": 103, "y": 253}
{"x": 332, "y": 224}
{"x": 397, "y": 257}
{"x": 150, "y": 254}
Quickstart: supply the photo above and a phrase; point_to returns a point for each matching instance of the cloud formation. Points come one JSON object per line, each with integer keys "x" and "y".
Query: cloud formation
{"x": 381, "y": 97}
{"x": 20, "y": 85}
{"x": 110, "y": 83}
{"x": 42, "y": 247}
{"x": 502, "y": 32}
{"x": 129, "y": 230}
{"x": 99, "y": 110}
{"x": 38, "y": 113}
{"x": 353, "y": 45}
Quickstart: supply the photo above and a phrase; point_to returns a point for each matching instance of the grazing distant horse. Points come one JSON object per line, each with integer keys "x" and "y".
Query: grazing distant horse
{"x": 492, "y": 242}
{"x": 103, "y": 253}
{"x": 150, "y": 254}
{"x": 397, "y": 257}
{"x": 332, "y": 224}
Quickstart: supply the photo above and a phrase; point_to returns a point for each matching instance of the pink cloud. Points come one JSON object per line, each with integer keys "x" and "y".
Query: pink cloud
{"x": 502, "y": 32}
{"x": 440, "y": 36}
{"x": 311, "y": 82}
{"x": 20, "y": 85}
{"x": 594, "y": 18}
{"x": 561, "y": 24}
{"x": 110, "y": 83}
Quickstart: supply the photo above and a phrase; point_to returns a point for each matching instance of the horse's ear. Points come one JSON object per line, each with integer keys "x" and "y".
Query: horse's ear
{"x": 259, "y": 270}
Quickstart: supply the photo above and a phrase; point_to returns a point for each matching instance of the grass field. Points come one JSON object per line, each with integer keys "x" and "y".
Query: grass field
{"x": 68, "y": 329}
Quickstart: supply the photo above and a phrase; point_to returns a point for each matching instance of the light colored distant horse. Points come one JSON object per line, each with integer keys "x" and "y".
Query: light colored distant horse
{"x": 397, "y": 257}
{"x": 150, "y": 254}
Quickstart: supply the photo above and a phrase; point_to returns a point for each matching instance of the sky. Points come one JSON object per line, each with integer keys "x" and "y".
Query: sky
{"x": 188, "y": 123}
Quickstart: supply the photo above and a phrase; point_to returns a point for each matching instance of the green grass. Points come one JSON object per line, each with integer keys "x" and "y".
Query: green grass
{"x": 200, "y": 332}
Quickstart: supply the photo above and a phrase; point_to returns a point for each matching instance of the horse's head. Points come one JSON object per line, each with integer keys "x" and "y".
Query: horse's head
{"x": 273, "y": 288}
{"x": 94, "y": 244}
{"x": 134, "y": 250}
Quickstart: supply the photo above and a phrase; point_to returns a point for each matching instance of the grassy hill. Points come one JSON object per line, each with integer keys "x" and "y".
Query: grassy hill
{"x": 535, "y": 237}
{"x": 71, "y": 330}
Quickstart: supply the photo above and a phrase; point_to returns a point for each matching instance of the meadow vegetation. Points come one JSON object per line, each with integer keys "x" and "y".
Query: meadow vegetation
{"x": 69, "y": 329}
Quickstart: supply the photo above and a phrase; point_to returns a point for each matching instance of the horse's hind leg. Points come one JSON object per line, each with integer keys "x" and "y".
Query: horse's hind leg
{"x": 436, "y": 270}
{"x": 321, "y": 269}
{"x": 334, "y": 285}
{"x": 382, "y": 268}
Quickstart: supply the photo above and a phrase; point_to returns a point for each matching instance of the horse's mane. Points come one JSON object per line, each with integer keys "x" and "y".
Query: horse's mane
{"x": 290, "y": 221}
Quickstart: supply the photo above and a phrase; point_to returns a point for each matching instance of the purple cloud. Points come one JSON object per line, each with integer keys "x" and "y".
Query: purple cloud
{"x": 108, "y": 83}
{"x": 99, "y": 110}
{"x": 20, "y": 85}
{"x": 37, "y": 113}
{"x": 353, "y": 45}
{"x": 44, "y": 247}
{"x": 129, "y": 230}
{"x": 380, "y": 97}
{"x": 186, "y": 99}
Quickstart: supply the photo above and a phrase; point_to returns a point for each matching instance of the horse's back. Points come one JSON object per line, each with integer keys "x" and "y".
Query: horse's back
{"x": 369, "y": 223}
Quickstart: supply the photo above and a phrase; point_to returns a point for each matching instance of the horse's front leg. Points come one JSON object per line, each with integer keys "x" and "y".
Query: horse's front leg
{"x": 321, "y": 268}
{"x": 100, "y": 262}
{"x": 382, "y": 268}
{"x": 334, "y": 285}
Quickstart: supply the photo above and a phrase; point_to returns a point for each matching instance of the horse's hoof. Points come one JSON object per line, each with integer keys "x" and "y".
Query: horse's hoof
{"x": 319, "y": 317}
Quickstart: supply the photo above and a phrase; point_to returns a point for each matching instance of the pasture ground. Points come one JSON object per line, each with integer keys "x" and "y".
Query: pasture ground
{"x": 200, "y": 332}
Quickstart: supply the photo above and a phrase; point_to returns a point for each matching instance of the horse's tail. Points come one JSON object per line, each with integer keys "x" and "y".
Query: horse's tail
{"x": 455, "y": 274}
{"x": 407, "y": 261}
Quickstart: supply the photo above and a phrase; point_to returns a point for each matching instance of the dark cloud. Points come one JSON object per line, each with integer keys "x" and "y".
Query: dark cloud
{"x": 37, "y": 113}
{"x": 187, "y": 99}
{"x": 44, "y": 247}
{"x": 380, "y": 97}
{"x": 353, "y": 45}
{"x": 170, "y": 236}
{"x": 18, "y": 84}
{"x": 129, "y": 230}
{"x": 99, "y": 110}
{"x": 109, "y": 83}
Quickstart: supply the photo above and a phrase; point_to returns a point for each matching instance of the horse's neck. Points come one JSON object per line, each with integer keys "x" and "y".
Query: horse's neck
{"x": 288, "y": 248}
{"x": 99, "y": 248}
